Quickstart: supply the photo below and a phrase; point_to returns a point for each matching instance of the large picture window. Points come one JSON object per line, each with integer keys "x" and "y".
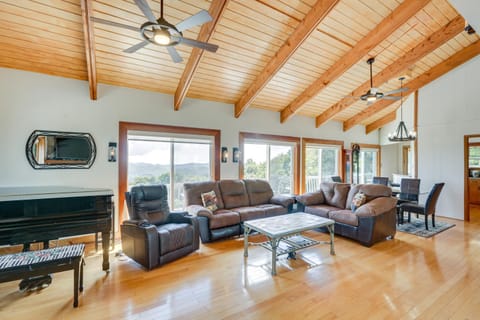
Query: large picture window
{"x": 271, "y": 158}
{"x": 321, "y": 161}
{"x": 169, "y": 155}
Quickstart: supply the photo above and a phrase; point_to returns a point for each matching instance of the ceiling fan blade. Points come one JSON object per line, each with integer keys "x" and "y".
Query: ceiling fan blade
{"x": 391, "y": 97}
{"x": 136, "y": 47}
{"x": 195, "y": 20}
{"x": 198, "y": 44}
{"x": 396, "y": 91}
{"x": 369, "y": 103}
{"x": 143, "y": 6}
{"x": 115, "y": 24}
{"x": 174, "y": 54}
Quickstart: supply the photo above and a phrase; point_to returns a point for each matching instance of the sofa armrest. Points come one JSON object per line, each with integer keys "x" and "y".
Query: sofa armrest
{"x": 282, "y": 200}
{"x": 376, "y": 207}
{"x": 310, "y": 198}
{"x": 140, "y": 242}
{"x": 179, "y": 217}
{"x": 199, "y": 211}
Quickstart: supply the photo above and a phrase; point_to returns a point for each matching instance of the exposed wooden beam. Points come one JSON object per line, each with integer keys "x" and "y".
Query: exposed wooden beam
{"x": 437, "y": 71}
{"x": 380, "y": 122}
{"x": 216, "y": 11}
{"x": 86, "y": 6}
{"x": 435, "y": 40}
{"x": 313, "y": 18}
{"x": 388, "y": 25}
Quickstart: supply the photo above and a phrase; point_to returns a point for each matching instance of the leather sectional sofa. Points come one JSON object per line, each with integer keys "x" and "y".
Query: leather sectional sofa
{"x": 371, "y": 222}
{"x": 236, "y": 201}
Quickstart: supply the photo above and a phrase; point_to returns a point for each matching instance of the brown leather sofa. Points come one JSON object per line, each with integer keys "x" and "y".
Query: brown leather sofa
{"x": 372, "y": 222}
{"x": 154, "y": 236}
{"x": 237, "y": 201}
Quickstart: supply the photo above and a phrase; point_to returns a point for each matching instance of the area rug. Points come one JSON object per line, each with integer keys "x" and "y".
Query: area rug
{"x": 416, "y": 226}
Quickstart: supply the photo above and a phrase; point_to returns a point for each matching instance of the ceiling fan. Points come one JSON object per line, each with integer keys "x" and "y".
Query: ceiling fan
{"x": 373, "y": 95}
{"x": 161, "y": 32}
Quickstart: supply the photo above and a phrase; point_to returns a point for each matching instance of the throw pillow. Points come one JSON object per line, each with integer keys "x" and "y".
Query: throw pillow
{"x": 358, "y": 199}
{"x": 209, "y": 200}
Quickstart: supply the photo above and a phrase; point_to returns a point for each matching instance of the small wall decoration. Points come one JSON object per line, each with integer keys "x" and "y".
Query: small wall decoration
{"x": 224, "y": 154}
{"x": 112, "y": 151}
{"x": 236, "y": 154}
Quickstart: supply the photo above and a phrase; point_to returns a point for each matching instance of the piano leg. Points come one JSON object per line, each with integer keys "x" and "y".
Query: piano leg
{"x": 106, "y": 248}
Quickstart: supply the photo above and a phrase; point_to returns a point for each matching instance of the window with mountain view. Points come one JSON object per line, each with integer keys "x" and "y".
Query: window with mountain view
{"x": 170, "y": 160}
{"x": 273, "y": 161}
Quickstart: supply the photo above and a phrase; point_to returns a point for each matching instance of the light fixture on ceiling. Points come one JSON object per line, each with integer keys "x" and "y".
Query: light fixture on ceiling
{"x": 401, "y": 133}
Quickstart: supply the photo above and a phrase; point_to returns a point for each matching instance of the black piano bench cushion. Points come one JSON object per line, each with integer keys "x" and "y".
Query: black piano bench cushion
{"x": 173, "y": 236}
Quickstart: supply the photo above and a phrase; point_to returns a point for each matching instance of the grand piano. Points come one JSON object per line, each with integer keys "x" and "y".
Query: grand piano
{"x": 40, "y": 214}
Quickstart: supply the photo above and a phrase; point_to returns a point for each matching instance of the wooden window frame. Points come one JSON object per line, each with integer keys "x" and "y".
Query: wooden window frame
{"x": 306, "y": 141}
{"x": 123, "y": 129}
{"x": 242, "y": 136}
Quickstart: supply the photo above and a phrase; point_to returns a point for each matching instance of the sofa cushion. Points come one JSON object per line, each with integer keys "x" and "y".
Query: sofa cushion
{"x": 344, "y": 216}
{"x": 249, "y": 213}
{"x": 371, "y": 191}
{"x": 335, "y": 194}
{"x": 311, "y": 198}
{"x": 259, "y": 191}
{"x": 223, "y": 218}
{"x": 193, "y": 192}
{"x": 273, "y": 209}
{"x": 174, "y": 236}
{"x": 234, "y": 193}
{"x": 321, "y": 210}
{"x": 209, "y": 200}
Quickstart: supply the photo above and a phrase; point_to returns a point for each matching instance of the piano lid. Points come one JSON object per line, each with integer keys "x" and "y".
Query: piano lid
{"x": 48, "y": 192}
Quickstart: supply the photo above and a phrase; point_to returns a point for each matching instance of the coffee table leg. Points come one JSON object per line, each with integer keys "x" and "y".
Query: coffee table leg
{"x": 245, "y": 240}
{"x": 274, "y": 244}
{"x": 331, "y": 230}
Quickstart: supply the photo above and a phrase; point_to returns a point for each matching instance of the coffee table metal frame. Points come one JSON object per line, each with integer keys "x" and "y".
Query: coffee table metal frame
{"x": 284, "y": 233}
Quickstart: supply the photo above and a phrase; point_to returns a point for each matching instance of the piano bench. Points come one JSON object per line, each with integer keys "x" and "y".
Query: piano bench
{"x": 27, "y": 264}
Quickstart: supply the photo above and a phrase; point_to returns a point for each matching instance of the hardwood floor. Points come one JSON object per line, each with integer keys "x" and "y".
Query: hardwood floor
{"x": 405, "y": 278}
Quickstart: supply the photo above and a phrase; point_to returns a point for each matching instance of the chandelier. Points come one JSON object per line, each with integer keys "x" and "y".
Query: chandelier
{"x": 401, "y": 133}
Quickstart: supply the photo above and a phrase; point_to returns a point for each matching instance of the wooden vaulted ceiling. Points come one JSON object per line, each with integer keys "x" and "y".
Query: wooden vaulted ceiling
{"x": 294, "y": 57}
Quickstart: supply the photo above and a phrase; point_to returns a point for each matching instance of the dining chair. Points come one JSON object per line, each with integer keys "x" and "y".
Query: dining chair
{"x": 336, "y": 179}
{"x": 426, "y": 209}
{"x": 409, "y": 190}
{"x": 380, "y": 180}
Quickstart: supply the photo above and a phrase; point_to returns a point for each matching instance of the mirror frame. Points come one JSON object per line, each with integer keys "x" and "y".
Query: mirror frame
{"x": 35, "y": 134}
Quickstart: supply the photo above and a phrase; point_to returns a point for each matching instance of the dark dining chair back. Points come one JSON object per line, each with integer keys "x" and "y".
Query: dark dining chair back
{"x": 380, "y": 180}
{"x": 409, "y": 189}
{"x": 336, "y": 179}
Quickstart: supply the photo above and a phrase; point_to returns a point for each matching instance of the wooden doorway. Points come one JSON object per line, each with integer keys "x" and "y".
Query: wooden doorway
{"x": 471, "y": 148}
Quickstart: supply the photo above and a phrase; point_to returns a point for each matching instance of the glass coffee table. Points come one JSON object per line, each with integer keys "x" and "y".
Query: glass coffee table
{"x": 284, "y": 234}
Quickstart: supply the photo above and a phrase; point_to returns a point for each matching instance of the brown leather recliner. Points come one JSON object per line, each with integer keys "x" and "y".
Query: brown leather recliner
{"x": 154, "y": 236}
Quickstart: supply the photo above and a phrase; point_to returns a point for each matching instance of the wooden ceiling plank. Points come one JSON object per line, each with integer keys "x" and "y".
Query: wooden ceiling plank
{"x": 217, "y": 9}
{"x": 390, "y": 24}
{"x": 434, "y": 41}
{"x": 437, "y": 71}
{"x": 380, "y": 122}
{"x": 316, "y": 15}
{"x": 86, "y": 6}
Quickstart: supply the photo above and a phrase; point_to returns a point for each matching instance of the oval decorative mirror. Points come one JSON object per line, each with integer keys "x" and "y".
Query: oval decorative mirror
{"x": 60, "y": 150}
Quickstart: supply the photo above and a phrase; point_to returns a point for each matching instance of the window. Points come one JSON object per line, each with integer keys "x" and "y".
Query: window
{"x": 321, "y": 161}
{"x": 168, "y": 155}
{"x": 271, "y": 158}
{"x": 367, "y": 165}
{"x": 169, "y": 160}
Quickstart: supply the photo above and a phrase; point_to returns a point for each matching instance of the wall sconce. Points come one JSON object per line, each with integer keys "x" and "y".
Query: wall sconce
{"x": 224, "y": 155}
{"x": 236, "y": 154}
{"x": 112, "y": 152}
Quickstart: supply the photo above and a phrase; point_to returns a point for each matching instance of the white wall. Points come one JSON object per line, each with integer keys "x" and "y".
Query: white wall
{"x": 31, "y": 101}
{"x": 449, "y": 108}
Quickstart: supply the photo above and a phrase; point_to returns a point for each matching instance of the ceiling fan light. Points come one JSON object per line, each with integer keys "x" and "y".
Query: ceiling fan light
{"x": 372, "y": 98}
{"x": 161, "y": 36}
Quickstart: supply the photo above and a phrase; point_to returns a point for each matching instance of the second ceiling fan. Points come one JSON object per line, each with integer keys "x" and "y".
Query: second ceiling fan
{"x": 373, "y": 95}
{"x": 161, "y": 32}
